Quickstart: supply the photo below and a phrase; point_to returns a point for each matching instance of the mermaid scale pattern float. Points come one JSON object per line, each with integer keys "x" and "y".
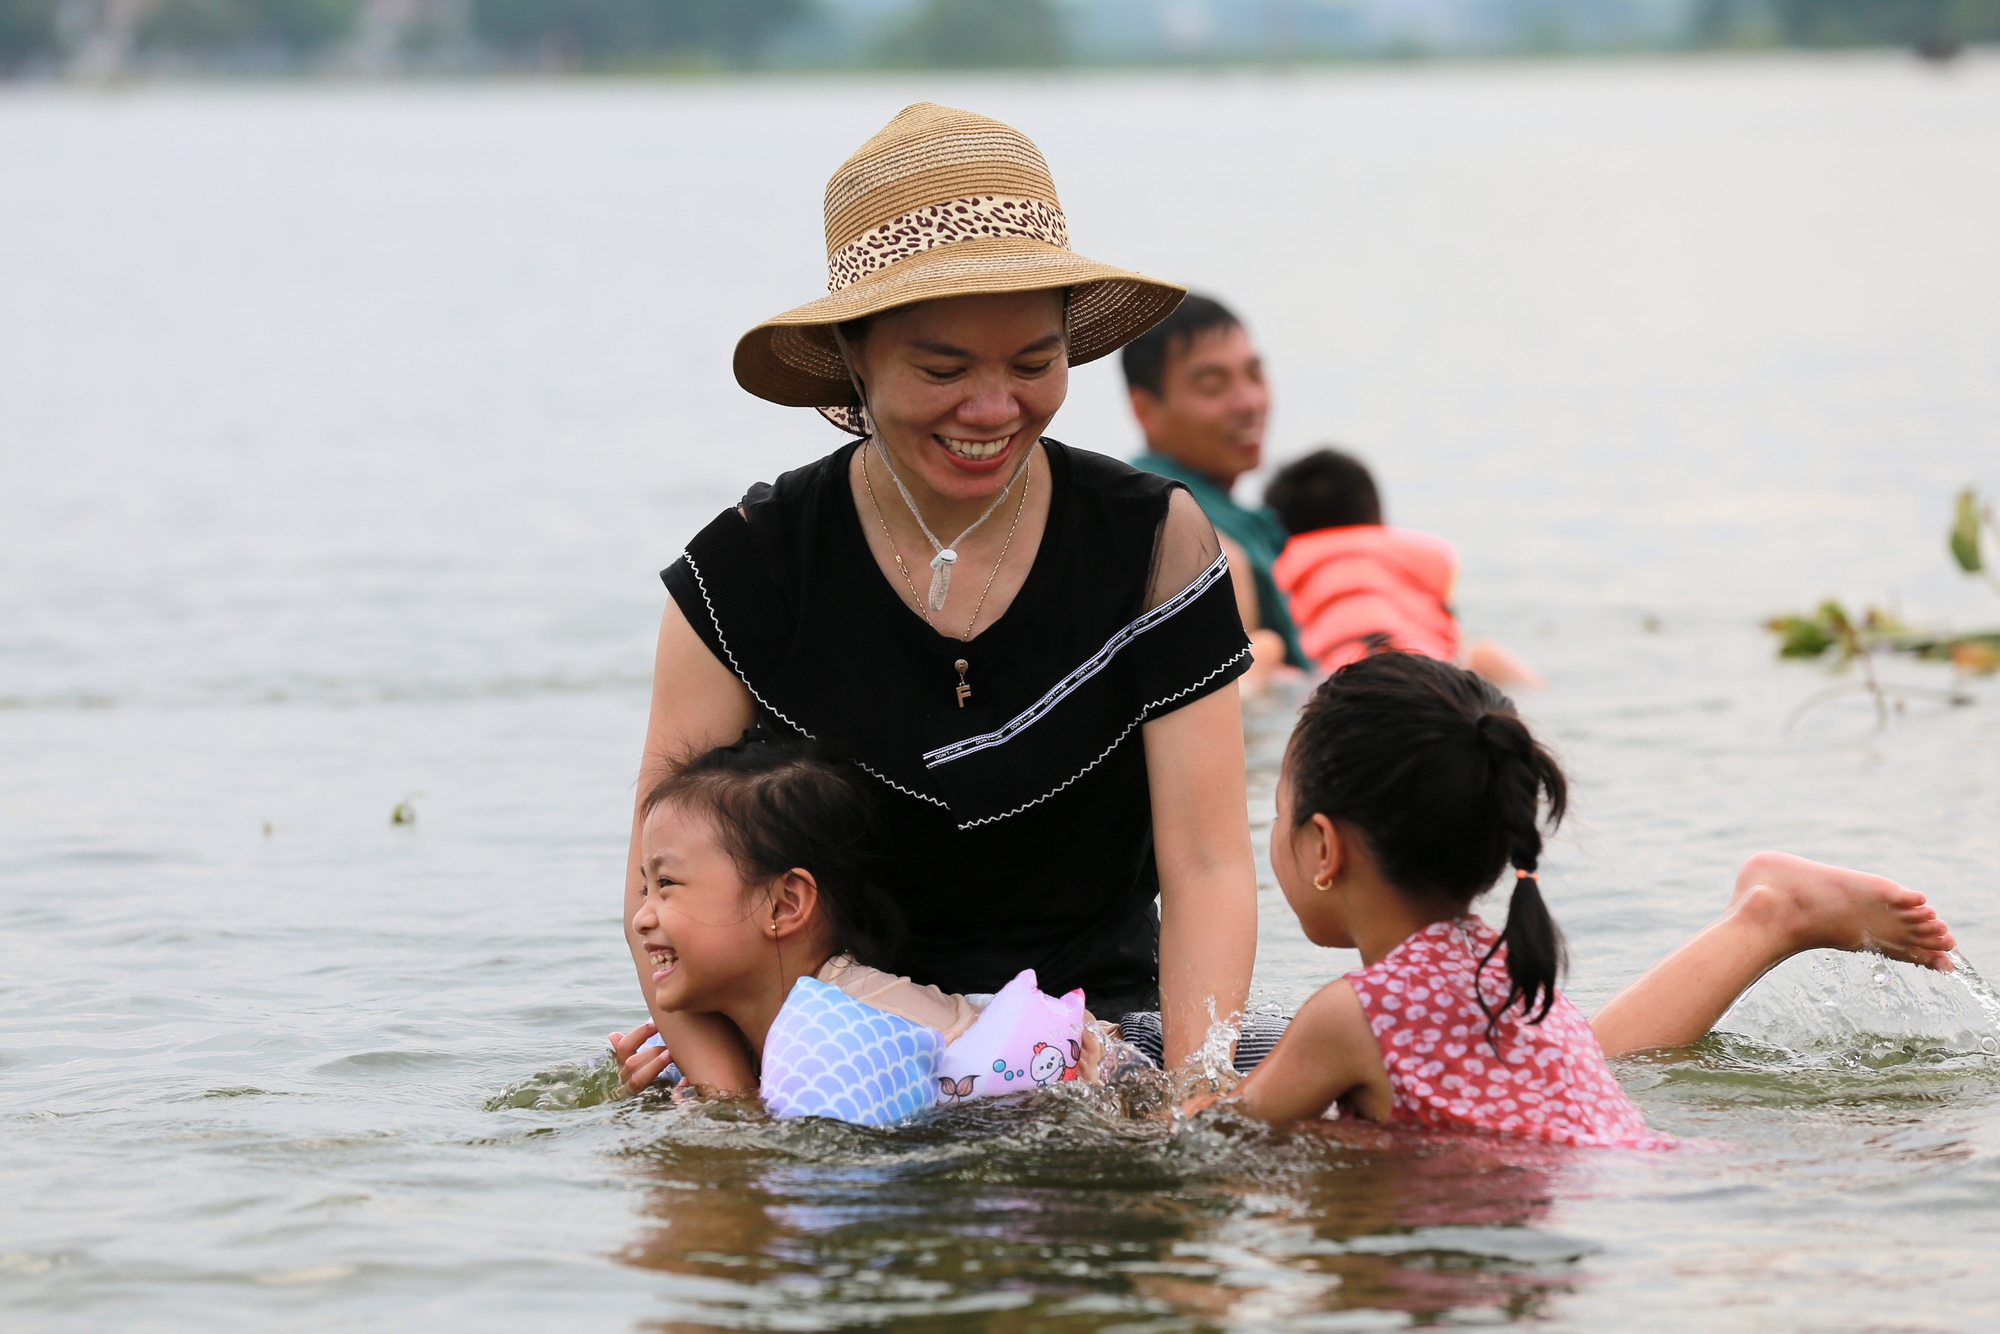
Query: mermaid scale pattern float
{"x": 831, "y": 1055}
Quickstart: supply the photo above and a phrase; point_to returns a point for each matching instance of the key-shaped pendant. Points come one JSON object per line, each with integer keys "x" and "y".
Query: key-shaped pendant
{"x": 964, "y": 690}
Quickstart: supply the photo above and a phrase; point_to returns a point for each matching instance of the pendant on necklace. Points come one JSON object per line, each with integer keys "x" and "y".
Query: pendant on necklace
{"x": 964, "y": 690}
{"x": 941, "y": 576}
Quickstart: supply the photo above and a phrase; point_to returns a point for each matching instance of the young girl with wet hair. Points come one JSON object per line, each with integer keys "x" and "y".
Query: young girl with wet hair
{"x": 1408, "y": 787}
{"x": 761, "y": 904}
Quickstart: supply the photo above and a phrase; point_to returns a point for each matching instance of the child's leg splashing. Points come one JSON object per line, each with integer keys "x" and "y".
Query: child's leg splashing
{"x": 1783, "y": 905}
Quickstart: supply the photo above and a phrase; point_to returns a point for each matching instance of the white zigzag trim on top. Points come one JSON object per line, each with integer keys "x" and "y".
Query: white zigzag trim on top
{"x": 1094, "y": 664}
{"x": 906, "y": 791}
{"x": 723, "y": 640}
{"x": 1144, "y": 714}
{"x": 737, "y": 667}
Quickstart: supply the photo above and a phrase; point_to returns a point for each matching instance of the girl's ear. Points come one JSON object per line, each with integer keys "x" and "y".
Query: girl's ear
{"x": 794, "y": 905}
{"x": 1327, "y": 852}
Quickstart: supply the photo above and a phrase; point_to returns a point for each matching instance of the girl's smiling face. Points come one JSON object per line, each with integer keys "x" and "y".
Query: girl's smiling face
{"x": 697, "y": 920}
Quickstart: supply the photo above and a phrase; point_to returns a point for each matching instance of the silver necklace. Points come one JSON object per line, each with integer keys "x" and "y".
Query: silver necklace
{"x": 945, "y": 557}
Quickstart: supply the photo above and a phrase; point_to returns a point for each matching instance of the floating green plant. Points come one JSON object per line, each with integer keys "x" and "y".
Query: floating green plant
{"x": 1832, "y": 629}
{"x": 1969, "y": 520}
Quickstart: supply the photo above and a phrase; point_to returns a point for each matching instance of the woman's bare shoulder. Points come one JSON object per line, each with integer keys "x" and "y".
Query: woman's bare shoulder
{"x": 1184, "y": 550}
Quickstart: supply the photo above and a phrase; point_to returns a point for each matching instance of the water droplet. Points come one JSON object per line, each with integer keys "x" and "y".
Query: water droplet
{"x": 999, "y": 1066}
{"x": 1010, "y": 1073}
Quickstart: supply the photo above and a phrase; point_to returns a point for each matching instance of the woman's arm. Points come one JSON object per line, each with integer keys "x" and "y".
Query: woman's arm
{"x": 1244, "y": 582}
{"x": 698, "y": 704}
{"x": 1328, "y": 1052}
{"x": 1208, "y": 877}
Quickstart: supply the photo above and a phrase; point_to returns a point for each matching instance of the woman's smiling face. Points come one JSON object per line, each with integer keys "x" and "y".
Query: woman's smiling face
{"x": 959, "y": 387}
{"x": 697, "y": 921}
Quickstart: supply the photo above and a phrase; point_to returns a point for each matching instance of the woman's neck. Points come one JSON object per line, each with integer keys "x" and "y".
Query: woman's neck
{"x": 754, "y": 1013}
{"x": 993, "y": 561}
{"x": 946, "y": 515}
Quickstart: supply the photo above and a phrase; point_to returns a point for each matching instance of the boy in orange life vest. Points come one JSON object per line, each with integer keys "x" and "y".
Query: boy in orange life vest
{"x": 1357, "y": 586}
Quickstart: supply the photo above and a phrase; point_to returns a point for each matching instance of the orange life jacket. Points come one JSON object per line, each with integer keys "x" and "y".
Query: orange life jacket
{"x": 1358, "y": 590}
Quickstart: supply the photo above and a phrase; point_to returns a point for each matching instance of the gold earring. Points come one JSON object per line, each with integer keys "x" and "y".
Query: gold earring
{"x": 1322, "y": 883}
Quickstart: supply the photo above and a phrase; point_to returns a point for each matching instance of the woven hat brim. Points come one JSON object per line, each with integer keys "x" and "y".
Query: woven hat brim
{"x": 792, "y": 358}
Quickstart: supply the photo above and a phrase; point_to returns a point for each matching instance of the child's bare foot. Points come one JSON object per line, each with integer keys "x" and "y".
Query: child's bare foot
{"x": 1809, "y": 905}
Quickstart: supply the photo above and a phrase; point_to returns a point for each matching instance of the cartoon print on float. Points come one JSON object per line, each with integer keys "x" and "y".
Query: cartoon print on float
{"x": 1022, "y": 1040}
{"x": 1049, "y": 1067}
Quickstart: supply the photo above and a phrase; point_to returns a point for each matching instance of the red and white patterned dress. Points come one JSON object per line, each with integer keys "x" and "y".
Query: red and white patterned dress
{"x": 1550, "y": 1080}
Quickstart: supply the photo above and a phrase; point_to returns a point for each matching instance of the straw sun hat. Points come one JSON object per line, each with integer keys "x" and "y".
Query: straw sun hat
{"x": 940, "y": 203}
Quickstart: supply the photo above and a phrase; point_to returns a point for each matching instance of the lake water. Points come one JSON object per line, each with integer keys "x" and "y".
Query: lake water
{"x": 342, "y": 431}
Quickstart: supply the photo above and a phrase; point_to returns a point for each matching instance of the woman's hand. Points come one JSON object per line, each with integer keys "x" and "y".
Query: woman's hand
{"x": 639, "y": 1065}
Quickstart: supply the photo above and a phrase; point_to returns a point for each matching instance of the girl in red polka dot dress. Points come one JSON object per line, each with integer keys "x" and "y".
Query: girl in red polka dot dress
{"x": 1408, "y": 787}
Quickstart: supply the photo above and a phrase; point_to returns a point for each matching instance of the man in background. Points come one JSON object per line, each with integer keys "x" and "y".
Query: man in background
{"x": 1197, "y": 388}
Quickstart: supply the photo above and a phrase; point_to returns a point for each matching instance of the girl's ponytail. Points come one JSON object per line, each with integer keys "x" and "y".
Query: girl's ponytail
{"x": 1522, "y": 772}
{"x": 1437, "y": 774}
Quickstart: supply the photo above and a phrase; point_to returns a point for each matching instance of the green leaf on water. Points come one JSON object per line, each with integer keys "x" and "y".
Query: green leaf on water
{"x": 1829, "y": 627}
{"x": 1965, "y": 532}
{"x": 1799, "y": 637}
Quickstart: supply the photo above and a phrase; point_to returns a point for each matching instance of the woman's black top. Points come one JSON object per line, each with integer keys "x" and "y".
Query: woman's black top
{"x": 1020, "y": 822}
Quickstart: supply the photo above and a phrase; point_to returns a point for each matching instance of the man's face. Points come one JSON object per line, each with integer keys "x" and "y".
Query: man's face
{"x": 1212, "y": 403}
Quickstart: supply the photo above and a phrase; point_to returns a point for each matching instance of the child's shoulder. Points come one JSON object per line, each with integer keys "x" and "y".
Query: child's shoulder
{"x": 950, "y": 1014}
{"x": 1331, "y": 1013}
{"x": 1328, "y": 1053}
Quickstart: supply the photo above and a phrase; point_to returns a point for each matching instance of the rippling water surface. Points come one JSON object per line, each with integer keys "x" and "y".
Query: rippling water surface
{"x": 341, "y": 433}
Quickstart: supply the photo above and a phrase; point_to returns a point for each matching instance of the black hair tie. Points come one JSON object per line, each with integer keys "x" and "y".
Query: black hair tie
{"x": 756, "y": 734}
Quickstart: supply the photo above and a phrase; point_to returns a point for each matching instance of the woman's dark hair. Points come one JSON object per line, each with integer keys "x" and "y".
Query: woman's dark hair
{"x": 1324, "y": 489}
{"x": 856, "y": 330}
{"x": 777, "y": 804}
{"x": 1443, "y": 782}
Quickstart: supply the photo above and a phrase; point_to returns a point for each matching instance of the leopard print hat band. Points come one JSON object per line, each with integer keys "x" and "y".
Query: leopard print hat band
{"x": 940, "y": 203}
{"x": 934, "y": 225}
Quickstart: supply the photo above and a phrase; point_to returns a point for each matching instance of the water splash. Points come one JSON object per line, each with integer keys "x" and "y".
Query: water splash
{"x": 1869, "y": 1008}
{"x": 1211, "y": 1067}
{"x": 562, "y": 1088}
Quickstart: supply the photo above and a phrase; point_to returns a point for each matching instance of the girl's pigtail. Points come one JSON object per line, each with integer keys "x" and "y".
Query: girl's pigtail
{"x": 1522, "y": 774}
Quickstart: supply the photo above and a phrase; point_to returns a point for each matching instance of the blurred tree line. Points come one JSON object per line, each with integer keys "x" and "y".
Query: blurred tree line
{"x": 601, "y": 32}
{"x": 105, "y": 37}
{"x": 561, "y": 33}
{"x": 538, "y": 34}
{"x": 1933, "y": 26}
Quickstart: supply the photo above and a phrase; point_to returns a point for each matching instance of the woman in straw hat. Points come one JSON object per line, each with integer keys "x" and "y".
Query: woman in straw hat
{"x": 1034, "y": 649}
